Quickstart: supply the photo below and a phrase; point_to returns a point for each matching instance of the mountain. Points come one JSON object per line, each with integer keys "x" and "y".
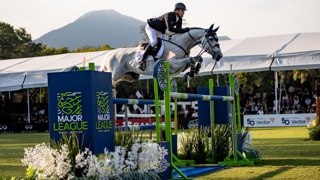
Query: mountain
{"x": 96, "y": 28}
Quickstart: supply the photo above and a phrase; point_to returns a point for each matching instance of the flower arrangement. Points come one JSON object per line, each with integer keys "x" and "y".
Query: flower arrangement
{"x": 314, "y": 129}
{"x": 247, "y": 145}
{"x": 246, "y": 139}
{"x": 143, "y": 161}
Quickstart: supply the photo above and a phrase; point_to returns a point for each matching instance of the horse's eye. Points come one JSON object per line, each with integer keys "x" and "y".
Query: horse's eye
{"x": 210, "y": 38}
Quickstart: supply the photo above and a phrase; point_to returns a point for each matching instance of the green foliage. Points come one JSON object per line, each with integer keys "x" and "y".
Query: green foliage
{"x": 93, "y": 48}
{"x": 252, "y": 153}
{"x": 126, "y": 138}
{"x": 133, "y": 175}
{"x": 221, "y": 141}
{"x": 314, "y": 129}
{"x": 46, "y": 51}
{"x": 186, "y": 140}
{"x": 17, "y": 43}
{"x": 315, "y": 133}
{"x": 201, "y": 136}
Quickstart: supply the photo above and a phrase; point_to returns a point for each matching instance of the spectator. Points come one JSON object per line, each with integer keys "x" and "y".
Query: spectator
{"x": 143, "y": 111}
{"x": 308, "y": 101}
{"x": 20, "y": 120}
{"x": 254, "y": 109}
{"x": 294, "y": 111}
{"x": 264, "y": 94}
{"x": 195, "y": 113}
{"x": 290, "y": 101}
{"x": 181, "y": 113}
{"x": 260, "y": 112}
{"x": 303, "y": 109}
{"x": 287, "y": 111}
{"x": 274, "y": 108}
{"x": 42, "y": 111}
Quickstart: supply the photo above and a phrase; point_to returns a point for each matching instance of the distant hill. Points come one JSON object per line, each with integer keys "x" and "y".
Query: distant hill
{"x": 223, "y": 38}
{"x": 96, "y": 28}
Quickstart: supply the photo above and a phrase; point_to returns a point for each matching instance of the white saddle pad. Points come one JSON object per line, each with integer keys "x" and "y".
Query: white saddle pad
{"x": 140, "y": 53}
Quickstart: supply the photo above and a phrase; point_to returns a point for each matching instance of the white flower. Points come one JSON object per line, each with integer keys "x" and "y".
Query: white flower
{"x": 50, "y": 163}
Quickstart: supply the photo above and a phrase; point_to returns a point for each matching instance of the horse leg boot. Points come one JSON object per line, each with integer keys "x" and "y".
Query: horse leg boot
{"x": 147, "y": 52}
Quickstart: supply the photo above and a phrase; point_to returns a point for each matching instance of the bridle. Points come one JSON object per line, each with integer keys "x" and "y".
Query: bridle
{"x": 200, "y": 44}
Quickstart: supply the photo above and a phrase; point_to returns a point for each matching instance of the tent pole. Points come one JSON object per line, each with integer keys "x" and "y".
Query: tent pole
{"x": 40, "y": 94}
{"x": 217, "y": 80}
{"x": 275, "y": 90}
{"x": 280, "y": 103}
{"x": 28, "y": 105}
{"x": 148, "y": 86}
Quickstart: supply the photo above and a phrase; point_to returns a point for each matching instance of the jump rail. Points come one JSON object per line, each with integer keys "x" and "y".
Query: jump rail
{"x": 200, "y": 97}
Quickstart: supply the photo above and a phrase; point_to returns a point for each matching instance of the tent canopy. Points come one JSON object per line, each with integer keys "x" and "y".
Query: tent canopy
{"x": 279, "y": 52}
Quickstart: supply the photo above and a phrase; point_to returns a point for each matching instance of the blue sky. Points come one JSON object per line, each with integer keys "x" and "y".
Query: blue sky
{"x": 236, "y": 18}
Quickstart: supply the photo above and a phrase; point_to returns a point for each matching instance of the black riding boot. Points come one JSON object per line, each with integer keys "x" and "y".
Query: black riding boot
{"x": 147, "y": 52}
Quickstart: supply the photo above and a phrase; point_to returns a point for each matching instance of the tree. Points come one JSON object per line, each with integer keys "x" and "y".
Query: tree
{"x": 93, "y": 48}
{"x": 46, "y": 51}
{"x": 17, "y": 43}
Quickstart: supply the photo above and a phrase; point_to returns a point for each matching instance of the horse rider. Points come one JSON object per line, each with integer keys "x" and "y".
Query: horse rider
{"x": 171, "y": 21}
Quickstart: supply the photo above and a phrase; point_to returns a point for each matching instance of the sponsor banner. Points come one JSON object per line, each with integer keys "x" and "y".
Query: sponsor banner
{"x": 270, "y": 120}
{"x": 8, "y": 127}
{"x": 23, "y": 127}
{"x": 142, "y": 122}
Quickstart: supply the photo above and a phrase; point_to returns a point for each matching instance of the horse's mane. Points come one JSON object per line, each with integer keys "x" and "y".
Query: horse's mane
{"x": 195, "y": 28}
{"x": 190, "y": 28}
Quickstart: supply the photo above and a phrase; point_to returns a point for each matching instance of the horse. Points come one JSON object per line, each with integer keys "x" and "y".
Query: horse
{"x": 123, "y": 65}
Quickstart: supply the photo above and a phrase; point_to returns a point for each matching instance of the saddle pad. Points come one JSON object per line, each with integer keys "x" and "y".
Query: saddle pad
{"x": 140, "y": 53}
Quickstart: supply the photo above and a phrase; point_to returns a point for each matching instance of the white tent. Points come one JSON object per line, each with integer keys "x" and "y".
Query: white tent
{"x": 279, "y": 52}
{"x": 302, "y": 53}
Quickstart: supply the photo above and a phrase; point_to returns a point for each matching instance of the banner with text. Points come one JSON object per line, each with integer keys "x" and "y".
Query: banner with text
{"x": 270, "y": 120}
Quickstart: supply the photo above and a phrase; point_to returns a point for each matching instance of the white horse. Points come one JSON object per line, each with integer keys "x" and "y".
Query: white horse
{"x": 124, "y": 67}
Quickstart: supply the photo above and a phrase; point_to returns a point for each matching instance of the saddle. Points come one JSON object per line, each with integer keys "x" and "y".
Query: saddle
{"x": 144, "y": 45}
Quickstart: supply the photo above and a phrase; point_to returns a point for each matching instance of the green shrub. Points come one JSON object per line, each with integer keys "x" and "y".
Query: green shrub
{"x": 186, "y": 140}
{"x": 201, "y": 137}
{"x": 126, "y": 138}
{"x": 221, "y": 141}
{"x": 315, "y": 133}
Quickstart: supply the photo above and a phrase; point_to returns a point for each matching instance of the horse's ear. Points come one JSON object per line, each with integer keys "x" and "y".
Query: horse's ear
{"x": 210, "y": 28}
{"x": 216, "y": 29}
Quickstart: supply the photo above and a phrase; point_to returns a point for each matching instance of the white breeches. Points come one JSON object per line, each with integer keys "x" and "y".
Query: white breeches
{"x": 152, "y": 34}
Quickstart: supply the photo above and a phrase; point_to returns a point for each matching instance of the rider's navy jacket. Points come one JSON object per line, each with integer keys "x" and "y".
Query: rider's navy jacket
{"x": 167, "y": 21}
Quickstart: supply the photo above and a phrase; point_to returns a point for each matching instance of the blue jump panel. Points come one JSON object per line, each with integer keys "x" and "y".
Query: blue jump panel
{"x": 197, "y": 170}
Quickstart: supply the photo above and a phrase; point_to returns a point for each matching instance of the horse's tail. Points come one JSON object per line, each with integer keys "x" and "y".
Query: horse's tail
{"x": 103, "y": 66}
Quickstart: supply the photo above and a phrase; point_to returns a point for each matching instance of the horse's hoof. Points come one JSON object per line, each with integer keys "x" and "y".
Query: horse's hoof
{"x": 191, "y": 71}
{"x": 199, "y": 59}
{"x": 197, "y": 69}
{"x": 185, "y": 77}
{"x": 192, "y": 61}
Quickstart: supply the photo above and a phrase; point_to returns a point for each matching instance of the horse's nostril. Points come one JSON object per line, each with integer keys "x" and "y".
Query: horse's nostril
{"x": 219, "y": 57}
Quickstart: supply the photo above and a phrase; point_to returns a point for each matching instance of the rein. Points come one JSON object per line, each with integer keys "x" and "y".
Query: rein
{"x": 185, "y": 52}
{"x": 197, "y": 43}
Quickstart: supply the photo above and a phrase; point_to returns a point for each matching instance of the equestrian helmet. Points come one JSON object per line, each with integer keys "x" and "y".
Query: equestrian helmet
{"x": 180, "y": 5}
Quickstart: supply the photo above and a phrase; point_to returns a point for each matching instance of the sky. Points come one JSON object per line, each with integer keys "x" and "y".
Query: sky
{"x": 237, "y": 18}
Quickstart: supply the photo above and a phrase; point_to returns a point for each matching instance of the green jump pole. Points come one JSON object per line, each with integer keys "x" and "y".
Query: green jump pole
{"x": 175, "y": 116}
{"x": 235, "y": 152}
{"x": 156, "y": 98}
{"x": 212, "y": 119}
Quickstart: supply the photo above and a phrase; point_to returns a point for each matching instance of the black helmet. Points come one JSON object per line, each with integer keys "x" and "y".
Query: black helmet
{"x": 180, "y": 5}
